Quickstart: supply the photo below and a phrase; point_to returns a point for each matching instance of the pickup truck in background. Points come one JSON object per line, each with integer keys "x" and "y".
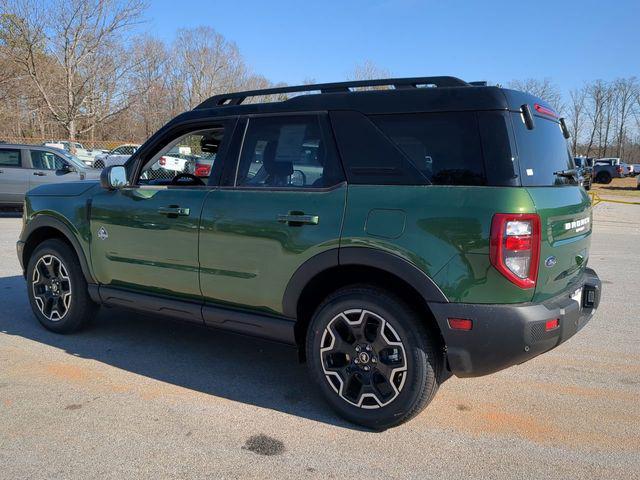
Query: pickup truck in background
{"x": 606, "y": 169}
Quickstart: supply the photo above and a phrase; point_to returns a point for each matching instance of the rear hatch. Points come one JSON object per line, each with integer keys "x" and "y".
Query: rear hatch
{"x": 563, "y": 206}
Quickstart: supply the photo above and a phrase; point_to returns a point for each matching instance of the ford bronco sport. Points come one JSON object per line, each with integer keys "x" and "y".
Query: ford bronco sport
{"x": 396, "y": 235}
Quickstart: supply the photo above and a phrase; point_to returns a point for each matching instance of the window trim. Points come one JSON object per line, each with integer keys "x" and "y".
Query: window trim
{"x": 327, "y": 135}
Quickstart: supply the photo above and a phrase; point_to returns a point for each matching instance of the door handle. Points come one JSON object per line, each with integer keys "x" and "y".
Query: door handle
{"x": 295, "y": 219}
{"x": 39, "y": 174}
{"x": 174, "y": 211}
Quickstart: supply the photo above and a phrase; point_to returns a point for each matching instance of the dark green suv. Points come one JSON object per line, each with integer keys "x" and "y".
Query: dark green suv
{"x": 397, "y": 231}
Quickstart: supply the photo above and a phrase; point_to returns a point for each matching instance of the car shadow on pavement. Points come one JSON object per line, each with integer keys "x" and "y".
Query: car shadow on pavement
{"x": 213, "y": 362}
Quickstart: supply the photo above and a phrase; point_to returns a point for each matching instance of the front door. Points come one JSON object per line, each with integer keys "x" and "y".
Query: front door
{"x": 145, "y": 236}
{"x": 283, "y": 205}
{"x": 48, "y": 167}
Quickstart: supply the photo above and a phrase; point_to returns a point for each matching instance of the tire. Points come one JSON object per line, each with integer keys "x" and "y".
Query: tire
{"x": 603, "y": 177}
{"x": 57, "y": 288}
{"x": 388, "y": 385}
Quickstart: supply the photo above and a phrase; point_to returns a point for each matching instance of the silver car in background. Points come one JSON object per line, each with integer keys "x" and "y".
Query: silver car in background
{"x": 117, "y": 156}
{"x": 23, "y": 167}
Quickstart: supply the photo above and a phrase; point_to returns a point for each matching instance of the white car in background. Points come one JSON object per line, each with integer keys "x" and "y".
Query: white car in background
{"x": 117, "y": 156}
{"x": 85, "y": 155}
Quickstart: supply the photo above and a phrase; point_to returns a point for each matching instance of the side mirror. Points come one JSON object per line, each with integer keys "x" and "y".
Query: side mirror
{"x": 113, "y": 177}
{"x": 66, "y": 168}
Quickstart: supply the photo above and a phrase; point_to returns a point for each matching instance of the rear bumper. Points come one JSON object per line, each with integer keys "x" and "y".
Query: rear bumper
{"x": 506, "y": 335}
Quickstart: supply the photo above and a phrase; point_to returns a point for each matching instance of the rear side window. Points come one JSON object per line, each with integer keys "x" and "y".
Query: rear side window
{"x": 9, "y": 158}
{"x": 542, "y": 152}
{"x": 444, "y": 147}
{"x": 368, "y": 156}
{"x": 288, "y": 152}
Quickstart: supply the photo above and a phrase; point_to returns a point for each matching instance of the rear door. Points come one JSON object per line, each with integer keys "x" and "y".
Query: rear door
{"x": 564, "y": 207}
{"x": 280, "y": 205}
{"x": 14, "y": 179}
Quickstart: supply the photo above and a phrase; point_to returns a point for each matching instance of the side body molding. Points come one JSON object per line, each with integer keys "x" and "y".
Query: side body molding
{"x": 359, "y": 256}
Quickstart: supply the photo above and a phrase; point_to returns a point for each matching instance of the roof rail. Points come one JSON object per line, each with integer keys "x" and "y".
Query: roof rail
{"x": 236, "y": 98}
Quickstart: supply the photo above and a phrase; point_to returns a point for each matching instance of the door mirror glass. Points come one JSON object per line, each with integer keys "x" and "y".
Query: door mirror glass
{"x": 113, "y": 177}
{"x": 65, "y": 168}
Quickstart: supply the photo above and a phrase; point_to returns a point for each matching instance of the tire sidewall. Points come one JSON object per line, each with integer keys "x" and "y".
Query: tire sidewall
{"x": 75, "y": 316}
{"x": 419, "y": 371}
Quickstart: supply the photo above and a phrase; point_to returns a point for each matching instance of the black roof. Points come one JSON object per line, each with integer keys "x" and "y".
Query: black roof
{"x": 404, "y": 95}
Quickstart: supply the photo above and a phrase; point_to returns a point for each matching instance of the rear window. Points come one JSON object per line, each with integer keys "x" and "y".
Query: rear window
{"x": 542, "y": 152}
{"x": 444, "y": 147}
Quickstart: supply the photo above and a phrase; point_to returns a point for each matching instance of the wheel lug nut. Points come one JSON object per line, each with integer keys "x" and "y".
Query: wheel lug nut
{"x": 373, "y": 360}
{"x": 357, "y": 348}
{"x": 366, "y": 367}
{"x": 368, "y": 348}
{"x": 356, "y": 361}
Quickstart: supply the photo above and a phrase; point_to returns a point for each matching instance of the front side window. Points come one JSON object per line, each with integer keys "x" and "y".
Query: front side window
{"x": 42, "y": 160}
{"x": 186, "y": 160}
{"x": 289, "y": 151}
{"x": 9, "y": 158}
{"x": 444, "y": 147}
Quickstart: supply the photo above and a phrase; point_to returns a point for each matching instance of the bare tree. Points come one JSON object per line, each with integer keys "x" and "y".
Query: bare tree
{"x": 627, "y": 91}
{"x": 545, "y": 89}
{"x": 63, "y": 48}
{"x": 205, "y": 64}
{"x": 576, "y": 115}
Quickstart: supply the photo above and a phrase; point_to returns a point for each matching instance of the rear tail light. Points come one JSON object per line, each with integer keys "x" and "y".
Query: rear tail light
{"x": 619, "y": 169}
{"x": 163, "y": 161}
{"x": 515, "y": 247}
{"x": 202, "y": 170}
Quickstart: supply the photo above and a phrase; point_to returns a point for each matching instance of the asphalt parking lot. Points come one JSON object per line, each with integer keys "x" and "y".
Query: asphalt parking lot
{"x": 137, "y": 397}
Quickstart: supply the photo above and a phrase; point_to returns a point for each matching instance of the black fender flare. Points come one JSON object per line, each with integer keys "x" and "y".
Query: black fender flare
{"x": 360, "y": 256}
{"x": 43, "y": 220}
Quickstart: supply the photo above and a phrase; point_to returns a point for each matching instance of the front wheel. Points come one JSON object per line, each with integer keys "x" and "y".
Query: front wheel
{"x": 57, "y": 288}
{"x": 372, "y": 357}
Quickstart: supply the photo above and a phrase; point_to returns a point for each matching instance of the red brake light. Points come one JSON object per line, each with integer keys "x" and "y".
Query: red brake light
{"x": 545, "y": 110}
{"x": 202, "y": 170}
{"x": 619, "y": 169}
{"x": 163, "y": 161}
{"x": 515, "y": 247}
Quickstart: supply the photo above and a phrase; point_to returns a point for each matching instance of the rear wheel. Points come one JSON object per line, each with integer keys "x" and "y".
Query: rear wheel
{"x": 374, "y": 361}
{"x": 603, "y": 177}
{"x": 57, "y": 289}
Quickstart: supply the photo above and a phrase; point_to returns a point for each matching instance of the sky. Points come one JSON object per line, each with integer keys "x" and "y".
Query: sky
{"x": 288, "y": 41}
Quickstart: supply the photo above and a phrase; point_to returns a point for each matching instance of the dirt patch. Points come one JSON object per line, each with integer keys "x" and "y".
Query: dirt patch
{"x": 264, "y": 445}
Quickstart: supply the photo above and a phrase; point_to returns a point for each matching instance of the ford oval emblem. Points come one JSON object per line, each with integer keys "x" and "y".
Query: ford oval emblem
{"x": 550, "y": 261}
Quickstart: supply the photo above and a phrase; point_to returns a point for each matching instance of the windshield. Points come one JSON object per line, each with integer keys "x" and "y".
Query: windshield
{"x": 543, "y": 153}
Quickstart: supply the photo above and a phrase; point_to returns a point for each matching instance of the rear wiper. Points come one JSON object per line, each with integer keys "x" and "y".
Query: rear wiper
{"x": 571, "y": 173}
